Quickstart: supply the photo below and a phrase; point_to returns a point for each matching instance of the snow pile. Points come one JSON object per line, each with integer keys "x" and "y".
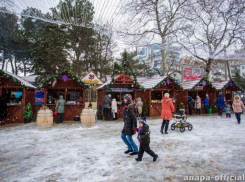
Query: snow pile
{"x": 69, "y": 152}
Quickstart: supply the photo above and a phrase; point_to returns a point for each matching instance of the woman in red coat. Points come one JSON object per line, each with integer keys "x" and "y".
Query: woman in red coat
{"x": 166, "y": 114}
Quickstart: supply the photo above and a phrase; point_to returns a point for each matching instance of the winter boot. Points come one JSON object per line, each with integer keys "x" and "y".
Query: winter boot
{"x": 138, "y": 159}
{"x": 166, "y": 132}
{"x": 155, "y": 158}
{"x": 126, "y": 152}
{"x": 161, "y": 131}
{"x": 134, "y": 153}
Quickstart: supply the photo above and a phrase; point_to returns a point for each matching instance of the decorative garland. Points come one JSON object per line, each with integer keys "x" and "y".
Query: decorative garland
{"x": 127, "y": 72}
{"x": 168, "y": 80}
{"x": 230, "y": 83}
{"x": 61, "y": 75}
{"x": 15, "y": 80}
{"x": 204, "y": 82}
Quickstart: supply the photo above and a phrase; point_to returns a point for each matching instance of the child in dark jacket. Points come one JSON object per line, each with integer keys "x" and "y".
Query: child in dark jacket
{"x": 144, "y": 139}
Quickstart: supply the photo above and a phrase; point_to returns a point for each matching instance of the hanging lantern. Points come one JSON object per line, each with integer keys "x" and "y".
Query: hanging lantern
{"x": 168, "y": 81}
{"x": 65, "y": 77}
{"x": 204, "y": 83}
{"x": 231, "y": 84}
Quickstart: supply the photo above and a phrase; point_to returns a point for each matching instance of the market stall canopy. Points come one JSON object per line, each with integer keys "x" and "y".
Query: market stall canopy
{"x": 65, "y": 76}
{"x": 121, "y": 79}
{"x": 189, "y": 84}
{"x": 16, "y": 79}
{"x": 224, "y": 84}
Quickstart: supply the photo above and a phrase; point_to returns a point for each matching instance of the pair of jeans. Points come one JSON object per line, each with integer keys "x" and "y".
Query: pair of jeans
{"x": 190, "y": 111}
{"x": 220, "y": 110}
{"x": 60, "y": 117}
{"x": 238, "y": 117}
{"x": 145, "y": 148}
{"x": 165, "y": 124}
{"x": 107, "y": 113}
{"x": 128, "y": 140}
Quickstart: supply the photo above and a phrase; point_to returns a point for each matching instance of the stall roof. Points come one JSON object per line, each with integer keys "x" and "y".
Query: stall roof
{"x": 30, "y": 78}
{"x": 108, "y": 78}
{"x": 189, "y": 84}
{"x": 23, "y": 82}
{"x": 220, "y": 85}
{"x": 149, "y": 83}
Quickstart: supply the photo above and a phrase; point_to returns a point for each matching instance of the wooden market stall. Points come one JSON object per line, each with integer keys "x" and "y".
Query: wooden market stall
{"x": 117, "y": 87}
{"x": 17, "y": 93}
{"x": 156, "y": 88}
{"x": 228, "y": 88}
{"x": 72, "y": 89}
{"x": 202, "y": 88}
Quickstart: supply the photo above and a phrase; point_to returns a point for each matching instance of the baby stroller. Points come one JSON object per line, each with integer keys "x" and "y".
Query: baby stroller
{"x": 180, "y": 121}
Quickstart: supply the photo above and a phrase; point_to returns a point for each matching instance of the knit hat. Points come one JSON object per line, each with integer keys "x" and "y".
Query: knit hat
{"x": 166, "y": 95}
{"x": 143, "y": 121}
{"x": 128, "y": 97}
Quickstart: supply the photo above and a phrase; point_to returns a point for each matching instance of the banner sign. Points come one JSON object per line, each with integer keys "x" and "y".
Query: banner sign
{"x": 39, "y": 97}
{"x": 120, "y": 90}
{"x": 193, "y": 73}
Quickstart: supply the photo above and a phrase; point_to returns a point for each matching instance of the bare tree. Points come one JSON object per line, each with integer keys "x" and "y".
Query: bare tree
{"x": 213, "y": 27}
{"x": 152, "y": 19}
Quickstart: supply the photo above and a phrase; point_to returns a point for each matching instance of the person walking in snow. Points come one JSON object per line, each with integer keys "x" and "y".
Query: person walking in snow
{"x": 228, "y": 111}
{"x": 3, "y": 110}
{"x": 130, "y": 125}
{"x": 107, "y": 106}
{"x": 238, "y": 106}
{"x": 144, "y": 139}
{"x": 60, "y": 108}
{"x": 220, "y": 104}
{"x": 198, "y": 105}
{"x": 139, "y": 105}
{"x": 166, "y": 114}
{"x": 206, "y": 105}
{"x": 114, "y": 108}
{"x": 190, "y": 104}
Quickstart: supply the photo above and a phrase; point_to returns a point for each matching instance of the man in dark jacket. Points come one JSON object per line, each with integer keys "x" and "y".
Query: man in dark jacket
{"x": 3, "y": 110}
{"x": 144, "y": 139}
{"x": 130, "y": 125}
{"x": 107, "y": 106}
{"x": 220, "y": 104}
{"x": 190, "y": 105}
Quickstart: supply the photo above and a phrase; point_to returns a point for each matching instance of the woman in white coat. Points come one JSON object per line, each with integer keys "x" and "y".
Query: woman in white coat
{"x": 114, "y": 109}
{"x": 198, "y": 105}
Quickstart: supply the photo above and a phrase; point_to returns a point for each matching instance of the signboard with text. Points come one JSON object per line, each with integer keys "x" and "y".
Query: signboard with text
{"x": 193, "y": 73}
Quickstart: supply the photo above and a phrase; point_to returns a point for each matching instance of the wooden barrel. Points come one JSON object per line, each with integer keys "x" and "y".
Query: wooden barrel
{"x": 44, "y": 119}
{"x": 87, "y": 118}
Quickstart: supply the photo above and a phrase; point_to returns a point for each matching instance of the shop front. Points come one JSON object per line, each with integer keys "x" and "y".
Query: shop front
{"x": 202, "y": 88}
{"x": 116, "y": 88}
{"x": 71, "y": 88}
{"x": 156, "y": 88}
{"x": 17, "y": 93}
{"x": 229, "y": 89}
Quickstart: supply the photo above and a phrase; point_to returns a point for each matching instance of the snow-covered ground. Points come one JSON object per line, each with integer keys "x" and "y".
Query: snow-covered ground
{"x": 69, "y": 152}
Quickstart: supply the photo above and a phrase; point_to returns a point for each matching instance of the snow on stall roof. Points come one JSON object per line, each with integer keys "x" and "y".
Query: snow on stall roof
{"x": 30, "y": 78}
{"x": 152, "y": 82}
{"x": 146, "y": 82}
{"x": 24, "y": 82}
{"x": 220, "y": 85}
{"x": 189, "y": 84}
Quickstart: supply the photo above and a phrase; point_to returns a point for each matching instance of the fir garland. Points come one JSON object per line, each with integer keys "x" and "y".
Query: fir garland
{"x": 233, "y": 82}
{"x": 164, "y": 80}
{"x": 16, "y": 81}
{"x": 75, "y": 78}
{"x": 207, "y": 81}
